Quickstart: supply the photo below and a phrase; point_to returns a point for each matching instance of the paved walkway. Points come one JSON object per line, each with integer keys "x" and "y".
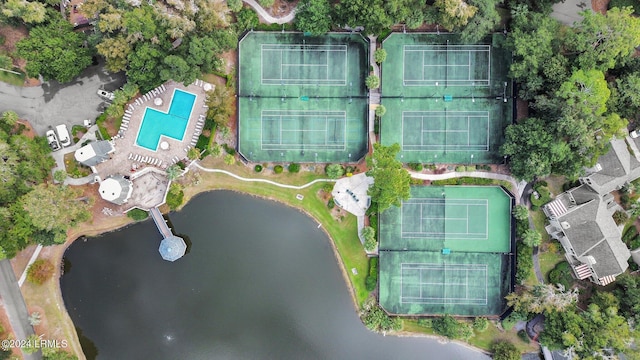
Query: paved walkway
{"x": 14, "y": 304}
{"x": 519, "y": 186}
{"x": 260, "y": 180}
{"x": 33, "y": 258}
{"x": 567, "y": 11}
{"x": 267, "y": 17}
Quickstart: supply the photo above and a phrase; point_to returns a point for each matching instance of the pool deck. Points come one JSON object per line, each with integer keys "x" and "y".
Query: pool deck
{"x": 135, "y": 161}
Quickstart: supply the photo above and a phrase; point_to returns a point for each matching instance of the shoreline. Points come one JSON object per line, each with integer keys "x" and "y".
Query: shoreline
{"x": 190, "y": 192}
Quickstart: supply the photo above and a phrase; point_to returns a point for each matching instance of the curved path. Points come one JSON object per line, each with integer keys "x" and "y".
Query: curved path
{"x": 267, "y": 17}
{"x": 519, "y": 186}
{"x": 261, "y": 180}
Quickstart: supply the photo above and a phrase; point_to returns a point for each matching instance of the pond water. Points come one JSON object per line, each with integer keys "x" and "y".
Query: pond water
{"x": 259, "y": 281}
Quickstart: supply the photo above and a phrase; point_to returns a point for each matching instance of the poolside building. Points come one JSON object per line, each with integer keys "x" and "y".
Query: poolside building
{"x": 116, "y": 189}
{"x": 94, "y": 153}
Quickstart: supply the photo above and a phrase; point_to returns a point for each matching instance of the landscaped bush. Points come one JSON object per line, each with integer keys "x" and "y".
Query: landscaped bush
{"x": 470, "y": 168}
{"x": 294, "y": 167}
{"x": 635, "y": 4}
{"x": 331, "y": 203}
{"x": 278, "y": 169}
{"x": 257, "y": 168}
{"x": 480, "y": 324}
{"x": 452, "y": 328}
{"x": 175, "y": 196}
{"x": 460, "y": 168}
{"x": 334, "y": 171}
{"x": 349, "y": 169}
{"x": 510, "y": 321}
{"x": 620, "y": 217}
{"x": 203, "y": 143}
{"x": 544, "y": 197}
{"x": 415, "y": 166}
{"x": 561, "y": 274}
{"x": 523, "y": 336}
{"x": 524, "y": 263}
{"x": 137, "y": 214}
{"x": 371, "y": 280}
{"x": 228, "y": 149}
{"x": 629, "y": 234}
{"x": 40, "y": 271}
{"x": 373, "y": 221}
{"x": 465, "y": 180}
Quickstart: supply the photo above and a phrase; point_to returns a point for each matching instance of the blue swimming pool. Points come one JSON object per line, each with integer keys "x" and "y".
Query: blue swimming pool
{"x": 172, "y": 124}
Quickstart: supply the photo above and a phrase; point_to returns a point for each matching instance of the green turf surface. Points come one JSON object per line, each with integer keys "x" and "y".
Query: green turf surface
{"x": 302, "y": 98}
{"x": 459, "y": 218}
{"x": 424, "y": 283}
{"x": 446, "y": 102}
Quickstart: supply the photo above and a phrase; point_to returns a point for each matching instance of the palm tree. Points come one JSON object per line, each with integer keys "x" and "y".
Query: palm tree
{"x": 173, "y": 172}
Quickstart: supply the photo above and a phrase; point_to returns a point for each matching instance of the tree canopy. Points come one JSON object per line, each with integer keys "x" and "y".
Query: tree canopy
{"x": 313, "y": 16}
{"x": 54, "y": 50}
{"x": 391, "y": 180}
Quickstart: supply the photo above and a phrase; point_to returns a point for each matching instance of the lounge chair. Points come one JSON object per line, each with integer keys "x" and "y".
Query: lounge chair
{"x": 159, "y": 162}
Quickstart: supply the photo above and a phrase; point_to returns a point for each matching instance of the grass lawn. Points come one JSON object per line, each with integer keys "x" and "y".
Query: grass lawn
{"x": 73, "y": 168}
{"x": 539, "y": 220}
{"x": 343, "y": 231}
{"x": 548, "y": 261}
{"x": 11, "y": 78}
{"x": 480, "y": 340}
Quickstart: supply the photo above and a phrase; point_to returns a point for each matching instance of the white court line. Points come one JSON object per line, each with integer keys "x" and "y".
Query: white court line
{"x": 339, "y": 48}
{"x": 424, "y": 234}
{"x": 468, "y": 49}
{"x": 280, "y": 114}
{"x": 420, "y": 267}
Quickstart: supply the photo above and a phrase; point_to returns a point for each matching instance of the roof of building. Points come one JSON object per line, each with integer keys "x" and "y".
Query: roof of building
{"x": 172, "y": 248}
{"x": 116, "y": 189}
{"x": 592, "y": 232}
{"x": 94, "y": 153}
{"x": 616, "y": 167}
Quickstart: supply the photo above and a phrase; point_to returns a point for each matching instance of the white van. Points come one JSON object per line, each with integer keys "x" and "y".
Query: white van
{"x": 63, "y": 135}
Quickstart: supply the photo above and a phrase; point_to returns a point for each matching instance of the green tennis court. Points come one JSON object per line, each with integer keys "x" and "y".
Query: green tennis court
{"x": 458, "y": 218}
{"x": 452, "y": 101}
{"x": 429, "y": 283}
{"x": 302, "y": 98}
{"x": 446, "y": 250}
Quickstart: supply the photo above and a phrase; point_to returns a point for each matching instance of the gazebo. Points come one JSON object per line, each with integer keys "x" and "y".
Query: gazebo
{"x": 172, "y": 248}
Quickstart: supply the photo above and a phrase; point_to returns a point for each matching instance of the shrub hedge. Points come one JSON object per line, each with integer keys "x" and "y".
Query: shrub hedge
{"x": 257, "y": 168}
{"x": 278, "y": 169}
{"x": 372, "y": 277}
{"x": 137, "y": 214}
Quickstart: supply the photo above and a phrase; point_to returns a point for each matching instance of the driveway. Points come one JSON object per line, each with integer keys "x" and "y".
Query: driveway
{"x": 567, "y": 11}
{"x": 53, "y": 103}
{"x": 11, "y": 298}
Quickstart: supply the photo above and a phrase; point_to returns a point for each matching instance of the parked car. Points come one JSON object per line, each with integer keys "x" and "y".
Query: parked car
{"x": 53, "y": 140}
{"x": 63, "y": 135}
{"x": 106, "y": 94}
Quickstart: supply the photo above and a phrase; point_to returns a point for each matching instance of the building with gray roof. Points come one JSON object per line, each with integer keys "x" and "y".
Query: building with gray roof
{"x": 116, "y": 189}
{"x": 581, "y": 219}
{"x": 94, "y": 153}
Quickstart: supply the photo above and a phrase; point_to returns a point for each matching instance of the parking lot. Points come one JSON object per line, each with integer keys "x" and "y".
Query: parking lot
{"x": 53, "y": 103}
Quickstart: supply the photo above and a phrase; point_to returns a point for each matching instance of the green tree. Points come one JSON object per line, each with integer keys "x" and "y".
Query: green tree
{"x": 529, "y": 146}
{"x": 175, "y": 196}
{"x": 531, "y": 238}
{"x": 221, "y": 103}
{"x": 5, "y": 62}
{"x": 60, "y": 176}
{"x": 480, "y": 324}
{"x": 369, "y": 235}
{"x": 380, "y": 55}
{"x": 229, "y": 159}
{"x": 372, "y": 82}
{"x": 334, "y": 171}
{"x": 173, "y": 172}
{"x": 625, "y": 95}
{"x": 234, "y": 5}
{"x": 505, "y": 350}
{"x": 143, "y": 63}
{"x": 246, "y": 19}
{"x": 115, "y": 50}
{"x": 381, "y": 110}
{"x": 56, "y": 354}
{"x": 29, "y": 12}
{"x": 376, "y": 319}
{"x": 454, "y": 13}
{"x": 54, "y": 50}
{"x": 391, "y": 180}
{"x": 483, "y": 23}
{"x": 601, "y": 41}
{"x": 372, "y": 15}
{"x": 52, "y": 207}
{"x": 451, "y": 328}
{"x": 176, "y": 68}
{"x": 313, "y": 16}
{"x": 521, "y": 213}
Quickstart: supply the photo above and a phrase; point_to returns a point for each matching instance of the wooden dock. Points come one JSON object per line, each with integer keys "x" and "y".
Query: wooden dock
{"x": 160, "y": 223}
